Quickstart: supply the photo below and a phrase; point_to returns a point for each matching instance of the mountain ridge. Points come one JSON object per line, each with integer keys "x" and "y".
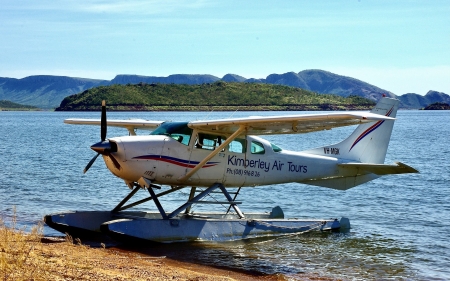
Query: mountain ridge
{"x": 47, "y": 91}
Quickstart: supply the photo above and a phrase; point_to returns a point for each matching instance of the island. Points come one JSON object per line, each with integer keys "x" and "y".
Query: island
{"x": 437, "y": 106}
{"x": 218, "y": 96}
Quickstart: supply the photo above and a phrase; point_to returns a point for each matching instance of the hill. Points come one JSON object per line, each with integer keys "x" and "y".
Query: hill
{"x": 6, "y": 105}
{"x": 48, "y": 91}
{"x": 219, "y": 95}
{"x": 44, "y": 91}
{"x": 413, "y": 101}
{"x": 325, "y": 82}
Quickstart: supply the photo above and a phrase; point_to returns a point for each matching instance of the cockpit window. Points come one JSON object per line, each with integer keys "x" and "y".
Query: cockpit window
{"x": 176, "y": 130}
{"x": 276, "y": 148}
{"x": 206, "y": 141}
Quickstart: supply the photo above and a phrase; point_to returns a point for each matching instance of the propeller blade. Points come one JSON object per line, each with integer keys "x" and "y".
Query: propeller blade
{"x": 103, "y": 147}
{"x": 90, "y": 163}
{"x": 103, "y": 125}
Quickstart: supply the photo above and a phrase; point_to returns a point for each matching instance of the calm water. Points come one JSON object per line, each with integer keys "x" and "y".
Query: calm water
{"x": 400, "y": 223}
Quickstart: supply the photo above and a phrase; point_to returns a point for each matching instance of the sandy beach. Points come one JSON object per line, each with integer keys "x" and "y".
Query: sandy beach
{"x": 30, "y": 256}
{"x": 72, "y": 261}
{"x": 26, "y": 254}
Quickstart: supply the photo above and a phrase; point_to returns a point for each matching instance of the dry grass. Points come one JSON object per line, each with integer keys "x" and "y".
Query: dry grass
{"x": 23, "y": 256}
{"x": 18, "y": 258}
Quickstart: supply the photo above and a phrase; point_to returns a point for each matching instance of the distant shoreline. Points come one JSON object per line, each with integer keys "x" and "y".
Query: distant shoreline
{"x": 15, "y": 109}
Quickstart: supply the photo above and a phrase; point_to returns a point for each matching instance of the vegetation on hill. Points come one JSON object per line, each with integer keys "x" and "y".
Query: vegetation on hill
{"x": 7, "y": 105}
{"x": 438, "y": 106}
{"x": 219, "y": 95}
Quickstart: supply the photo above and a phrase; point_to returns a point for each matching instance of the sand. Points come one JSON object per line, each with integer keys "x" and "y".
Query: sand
{"x": 63, "y": 259}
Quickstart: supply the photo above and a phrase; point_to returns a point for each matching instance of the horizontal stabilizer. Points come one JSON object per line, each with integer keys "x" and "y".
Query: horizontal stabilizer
{"x": 381, "y": 169}
{"x": 342, "y": 183}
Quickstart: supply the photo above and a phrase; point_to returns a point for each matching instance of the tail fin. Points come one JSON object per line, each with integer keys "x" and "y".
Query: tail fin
{"x": 362, "y": 154}
{"x": 369, "y": 142}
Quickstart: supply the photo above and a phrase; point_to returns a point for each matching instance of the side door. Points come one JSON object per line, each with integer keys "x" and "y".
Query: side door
{"x": 258, "y": 163}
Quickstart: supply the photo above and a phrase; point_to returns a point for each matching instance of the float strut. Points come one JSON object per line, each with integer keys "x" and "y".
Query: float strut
{"x": 191, "y": 195}
{"x": 157, "y": 203}
{"x": 125, "y": 200}
{"x": 227, "y": 195}
{"x": 194, "y": 200}
{"x": 150, "y": 198}
{"x": 234, "y": 198}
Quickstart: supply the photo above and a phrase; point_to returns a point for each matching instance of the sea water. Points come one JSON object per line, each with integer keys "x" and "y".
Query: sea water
{"x": 400, "y": 223}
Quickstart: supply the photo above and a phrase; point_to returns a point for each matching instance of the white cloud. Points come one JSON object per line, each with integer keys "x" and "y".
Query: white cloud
{"x": 134, "y": 7}
{"x": 105, "y": 6}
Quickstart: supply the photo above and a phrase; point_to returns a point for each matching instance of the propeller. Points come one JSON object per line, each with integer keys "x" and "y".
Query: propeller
{"x": 103, "y": 147}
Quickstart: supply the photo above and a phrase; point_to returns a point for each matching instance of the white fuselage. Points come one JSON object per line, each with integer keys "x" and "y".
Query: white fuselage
{"x": 164, "y": 160}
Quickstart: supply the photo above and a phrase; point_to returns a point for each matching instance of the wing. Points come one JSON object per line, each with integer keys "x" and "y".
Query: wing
{"x": 289, "y": 124}
{"x": 130, "y": 125}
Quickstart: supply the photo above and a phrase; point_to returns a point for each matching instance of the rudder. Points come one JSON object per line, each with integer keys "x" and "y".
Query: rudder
{"x": 369, "y": 141}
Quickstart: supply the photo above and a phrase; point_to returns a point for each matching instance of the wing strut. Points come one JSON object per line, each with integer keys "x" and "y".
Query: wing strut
{"x": 212, "y": 154}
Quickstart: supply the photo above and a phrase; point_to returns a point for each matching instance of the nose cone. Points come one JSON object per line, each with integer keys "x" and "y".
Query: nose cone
{"x": 104, "y": 147}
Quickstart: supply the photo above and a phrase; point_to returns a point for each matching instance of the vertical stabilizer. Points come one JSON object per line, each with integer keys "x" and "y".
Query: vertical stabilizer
{"x": 369, "y": 142}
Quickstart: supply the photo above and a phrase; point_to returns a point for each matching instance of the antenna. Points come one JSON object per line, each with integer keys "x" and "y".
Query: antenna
{"x": 234, "y": 113}
{"x": 209, "y": 114}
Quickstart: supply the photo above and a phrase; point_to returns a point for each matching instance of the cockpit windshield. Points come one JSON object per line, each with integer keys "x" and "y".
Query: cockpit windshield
{"x": 177, "y": 130}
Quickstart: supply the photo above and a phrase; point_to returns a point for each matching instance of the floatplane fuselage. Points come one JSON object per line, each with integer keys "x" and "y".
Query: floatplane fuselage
{"x": 253, "y": 162}
{"x": 222, "y": 154}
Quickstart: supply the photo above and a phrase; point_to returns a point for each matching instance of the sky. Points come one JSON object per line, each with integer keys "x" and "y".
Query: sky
{"x": 399, "y": 46}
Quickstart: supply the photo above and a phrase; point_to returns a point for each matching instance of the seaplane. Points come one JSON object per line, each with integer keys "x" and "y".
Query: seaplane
{"x": 222, "y": 157}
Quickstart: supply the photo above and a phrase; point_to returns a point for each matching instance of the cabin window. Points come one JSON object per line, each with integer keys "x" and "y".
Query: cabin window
{"x": 276, "y": 148}
{"x": 179, "y": 131}
{"x": 238, "y": 146}
{"x": 257, "y": 148}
